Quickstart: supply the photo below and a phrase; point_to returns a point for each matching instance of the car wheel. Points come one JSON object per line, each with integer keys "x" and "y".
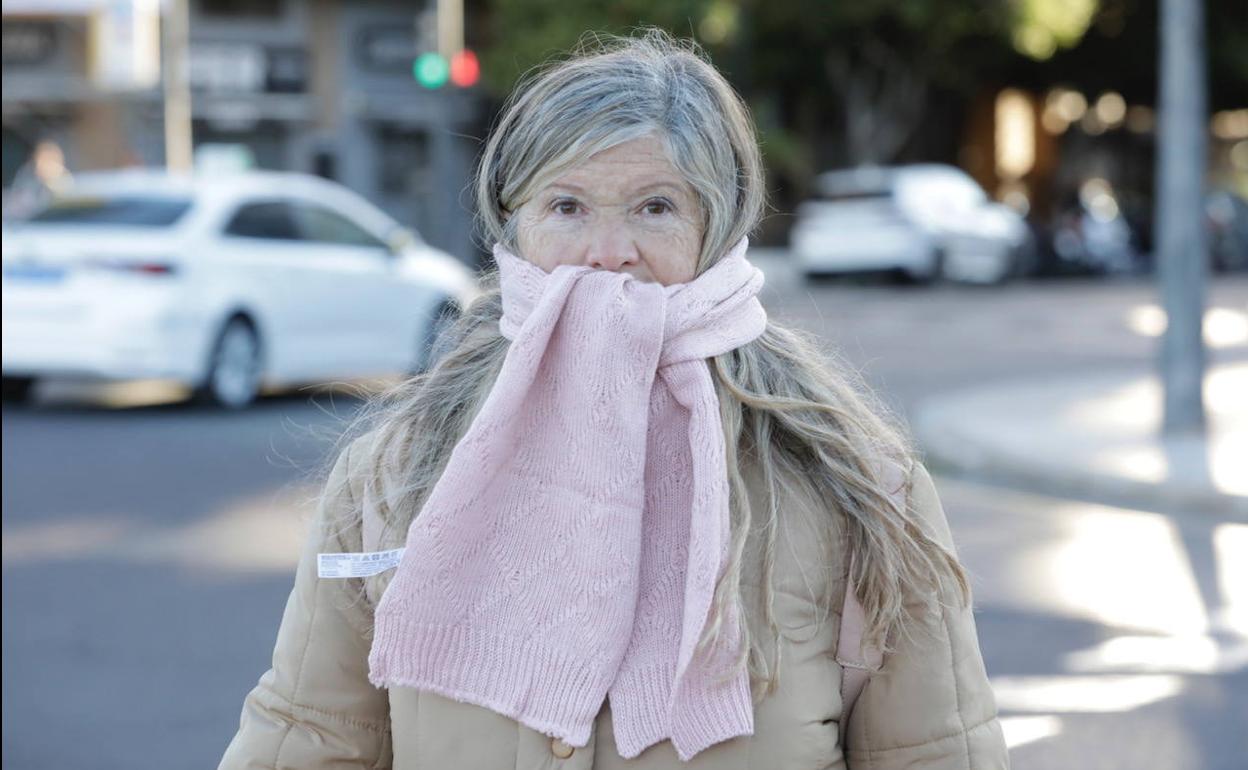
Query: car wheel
{"x": 233, "y": 377}
{"x": 936, "y": 272}
{"x": 900, "y": 276}
{"x": 17, "y": 390}
{"x": 435, "y": 342}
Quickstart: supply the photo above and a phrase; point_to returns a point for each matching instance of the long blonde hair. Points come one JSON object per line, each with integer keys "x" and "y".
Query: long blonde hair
{"x": 799, "y": 414}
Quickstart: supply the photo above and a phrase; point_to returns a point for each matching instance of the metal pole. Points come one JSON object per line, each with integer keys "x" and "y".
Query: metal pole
{"x": 450, "y": 27}
{"x": 1182, "y": 250}
{"x": 177, "y": 87}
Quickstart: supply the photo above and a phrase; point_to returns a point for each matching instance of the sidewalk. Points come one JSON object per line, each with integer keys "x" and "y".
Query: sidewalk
{"x": 1097, "y": 437}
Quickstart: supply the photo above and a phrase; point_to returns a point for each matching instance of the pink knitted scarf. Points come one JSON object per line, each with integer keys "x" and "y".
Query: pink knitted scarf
{"x": 571, "y": 547}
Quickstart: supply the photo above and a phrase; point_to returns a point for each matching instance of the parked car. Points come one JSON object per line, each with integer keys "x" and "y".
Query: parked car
{"x": 227, "y": 283}
{"x": 1094, "y": 233}
{"x": 923, "y": 221}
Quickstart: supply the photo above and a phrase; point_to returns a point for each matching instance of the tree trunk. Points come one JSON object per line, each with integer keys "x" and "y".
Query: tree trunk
{"x": 883, "y": 97}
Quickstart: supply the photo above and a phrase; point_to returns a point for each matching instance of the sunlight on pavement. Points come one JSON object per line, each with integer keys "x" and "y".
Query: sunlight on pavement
{"x": 1083, "y": 694}
{"x": 1225, "y": 400}
{"x": 67, "y": 538}
{"x": 114, "y": 395}
{"x": 257, "y": 534}
{"x": 1022, "y": 730}
{"x": 1224, "y": 327}
{"x": 1111, "y": 566}
{"x": 1173, "y": 654}
{"x": 124, "y": 395}
{"x": 1131, "y": 414}
{"x": 1165, "y": 599}
{"x": 260, "y": 534}
{"x": 1124, "y": 569}
{"x": 1230, "y": 542}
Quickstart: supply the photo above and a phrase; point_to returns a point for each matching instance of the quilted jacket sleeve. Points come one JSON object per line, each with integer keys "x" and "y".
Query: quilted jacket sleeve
{"x": 930, "y": 706}
{"x": 315, "y": 708}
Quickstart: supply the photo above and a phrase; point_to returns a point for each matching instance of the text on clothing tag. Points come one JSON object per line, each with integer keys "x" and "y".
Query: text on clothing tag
{"x": 356, "y": 565}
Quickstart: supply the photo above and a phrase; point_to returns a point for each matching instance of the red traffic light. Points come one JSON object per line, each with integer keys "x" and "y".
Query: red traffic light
{"x": 465, "y": 69}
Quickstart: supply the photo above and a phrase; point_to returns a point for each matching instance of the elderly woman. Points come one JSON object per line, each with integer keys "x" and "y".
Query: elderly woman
{"x": 626, "y": 520}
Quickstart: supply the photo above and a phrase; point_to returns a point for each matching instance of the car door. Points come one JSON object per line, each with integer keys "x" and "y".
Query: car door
{"x": 263, "y": 260}
{"x": 364, "y": 311}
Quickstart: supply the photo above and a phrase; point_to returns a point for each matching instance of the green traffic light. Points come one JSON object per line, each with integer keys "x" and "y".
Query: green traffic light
{"x": 431, "y": 70}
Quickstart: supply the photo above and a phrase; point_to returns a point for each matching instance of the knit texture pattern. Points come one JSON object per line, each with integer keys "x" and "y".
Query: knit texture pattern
{"x": 570, "y": 550}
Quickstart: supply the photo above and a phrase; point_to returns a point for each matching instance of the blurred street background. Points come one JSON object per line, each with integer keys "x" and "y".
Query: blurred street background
{"x": 1025, "y": 222}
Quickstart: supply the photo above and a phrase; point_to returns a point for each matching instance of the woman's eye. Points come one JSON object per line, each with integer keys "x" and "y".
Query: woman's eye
{"x": 565, "y": 207}
{"x": 657, "y": 206}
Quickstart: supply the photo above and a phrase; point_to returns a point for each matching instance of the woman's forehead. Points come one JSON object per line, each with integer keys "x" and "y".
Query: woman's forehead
{"x": 636, "y": 166}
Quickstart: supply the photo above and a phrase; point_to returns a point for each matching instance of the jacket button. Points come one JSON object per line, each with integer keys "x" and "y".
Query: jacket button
{"x": 560, "y": 749}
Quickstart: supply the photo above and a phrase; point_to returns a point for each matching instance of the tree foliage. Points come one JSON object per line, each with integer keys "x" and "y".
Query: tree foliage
{"x": 524, "y": 33}
{"x": 867, "y": 66}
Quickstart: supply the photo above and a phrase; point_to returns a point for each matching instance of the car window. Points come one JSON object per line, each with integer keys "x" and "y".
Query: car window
{"x": 271, "y": 220}
{"x": 854, "y": 195}
{"x": 860, "y": 184}
{"x": 131, "y": 211}
{"x": 317, "y": 223}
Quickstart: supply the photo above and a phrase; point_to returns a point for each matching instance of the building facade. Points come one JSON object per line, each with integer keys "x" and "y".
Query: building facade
{"x": 318, "y": 86}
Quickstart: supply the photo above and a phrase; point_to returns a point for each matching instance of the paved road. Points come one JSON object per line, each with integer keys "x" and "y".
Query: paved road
{"x": 147, "y": 549}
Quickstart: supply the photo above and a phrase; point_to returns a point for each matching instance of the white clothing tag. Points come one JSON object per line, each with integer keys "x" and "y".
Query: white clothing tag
{"x": 356, "y": 565}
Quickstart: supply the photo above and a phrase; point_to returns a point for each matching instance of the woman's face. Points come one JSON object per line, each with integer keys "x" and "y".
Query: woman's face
{"x": 626, "y": 209}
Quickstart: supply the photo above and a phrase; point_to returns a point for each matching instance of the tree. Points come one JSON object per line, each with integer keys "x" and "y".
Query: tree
{"x": 524, "y": 33}
{"x": 873, "y": 65}
{"x": 842, "y": 83}
{"x": 868, "y": 66}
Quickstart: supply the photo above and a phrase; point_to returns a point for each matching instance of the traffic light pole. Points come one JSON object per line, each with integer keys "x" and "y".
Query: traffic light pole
{"x": 450, "y": 27}
{"x": 177, "y": 90}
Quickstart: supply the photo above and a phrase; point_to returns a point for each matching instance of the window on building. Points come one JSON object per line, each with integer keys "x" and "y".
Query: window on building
{"x": 325, "y": 164}
{"x": 404, "y": 162}
{"x": 251, "y": 8}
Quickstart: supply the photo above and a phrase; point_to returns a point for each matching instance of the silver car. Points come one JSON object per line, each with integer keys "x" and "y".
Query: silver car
{"x": 924, "y": 221}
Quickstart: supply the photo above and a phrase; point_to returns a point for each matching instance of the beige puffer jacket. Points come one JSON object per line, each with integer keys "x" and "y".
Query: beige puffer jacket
{"x": 929, "y": 707}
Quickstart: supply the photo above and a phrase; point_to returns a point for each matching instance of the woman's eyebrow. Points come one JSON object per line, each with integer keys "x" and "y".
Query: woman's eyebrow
{"x": 567, "y": 186}
{"x": 661, "y": 185}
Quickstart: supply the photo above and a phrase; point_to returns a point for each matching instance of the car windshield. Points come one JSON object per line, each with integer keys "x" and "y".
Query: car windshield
{"x": 125, "y": 210}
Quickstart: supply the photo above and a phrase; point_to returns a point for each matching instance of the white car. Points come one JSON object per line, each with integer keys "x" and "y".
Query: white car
{"x": 924, "y": 221}
{"x": 227, "y": 283}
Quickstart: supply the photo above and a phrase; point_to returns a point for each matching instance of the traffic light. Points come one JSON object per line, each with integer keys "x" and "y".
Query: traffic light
{"x": 432, "y": 70}
{"x": 465, "y": 69}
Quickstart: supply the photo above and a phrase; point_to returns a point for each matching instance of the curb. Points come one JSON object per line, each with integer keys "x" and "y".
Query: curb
{"x": 951, "y": 443}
